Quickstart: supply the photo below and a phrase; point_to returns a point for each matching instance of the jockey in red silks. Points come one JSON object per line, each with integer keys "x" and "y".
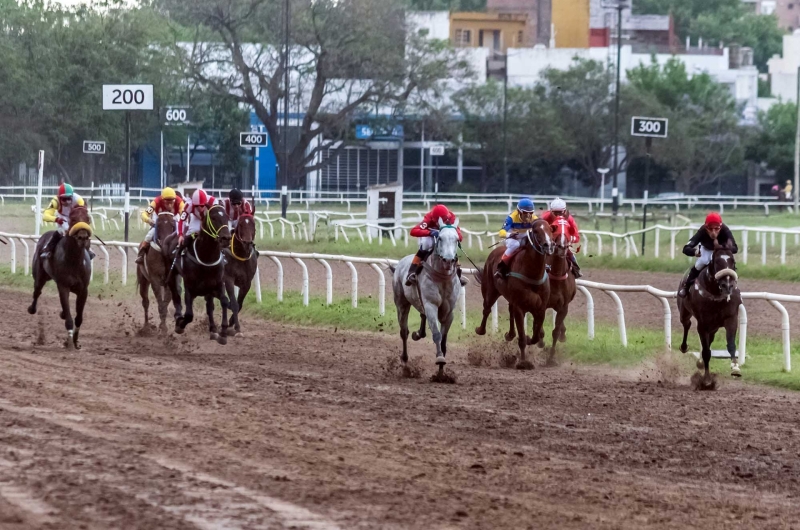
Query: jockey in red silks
{"x": 427, "y": 231}
{"x": 558, "y": 210}
{"x": 236, "y": 206}
{"x": 194, "y": 212}
{"x": 713, "y": 231}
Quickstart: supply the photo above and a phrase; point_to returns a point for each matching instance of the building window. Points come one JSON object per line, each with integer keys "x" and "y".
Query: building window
{"x": 463, "y": 37}
{"x": 519, "y": 37}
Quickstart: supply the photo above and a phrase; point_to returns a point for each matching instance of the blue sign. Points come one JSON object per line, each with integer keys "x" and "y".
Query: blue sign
{"x": 367, "y": 132}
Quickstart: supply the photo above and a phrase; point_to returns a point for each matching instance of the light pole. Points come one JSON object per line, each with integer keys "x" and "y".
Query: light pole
{"x": 505, "y": 121}
{"x": 285, "y": 168}
{"x": 619, "y": 5}
{"x": 796, "y": 189}
{"x": 603, "y": 171}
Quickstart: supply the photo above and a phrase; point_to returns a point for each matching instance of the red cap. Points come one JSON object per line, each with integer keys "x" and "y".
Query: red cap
{"x": 440, "y": 211}
{"x": 713, "y": 219}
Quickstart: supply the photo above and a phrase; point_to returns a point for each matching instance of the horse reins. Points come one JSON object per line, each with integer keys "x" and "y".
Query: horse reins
{"x": 236, "y": 236}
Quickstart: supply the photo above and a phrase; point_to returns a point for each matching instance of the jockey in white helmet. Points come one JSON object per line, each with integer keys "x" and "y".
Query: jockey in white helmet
{"x": 193, "y": 214}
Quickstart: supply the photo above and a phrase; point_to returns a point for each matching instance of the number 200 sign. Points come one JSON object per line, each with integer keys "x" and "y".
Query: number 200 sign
{"x": 127, "y": 97}
{"x": 652, "y": 127}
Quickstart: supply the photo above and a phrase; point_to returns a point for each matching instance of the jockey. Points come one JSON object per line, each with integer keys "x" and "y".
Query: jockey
{"x": 517, "y": 225}
{"x": 712, "y": 233}
{"x": 191, "y": 220}
{"x": 58, "y": 212}
{"x": 235, "y": 205}
{"x": 558, "y": 209}
{"x": 427, "y": 231}
{"x": 168, "y": 201}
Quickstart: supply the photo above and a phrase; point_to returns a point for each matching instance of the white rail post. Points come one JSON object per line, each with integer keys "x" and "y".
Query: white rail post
{"x": 672, "y": 235}
{"x": 328, "y": 282}
{"x": 745, "y": 235}
{"x": 742, "y": 333}
{"x": 462, "y": 304}
{"x": 494, "y": 318}
{"x": 305, "y": 280}
{"x": 257, "y": 279}
{"x": 783, "y": 249}
{"x": 614, "y": 246}
{"x": 106, "y": 264}
{"x": 623, "y": 333}
{"x": 589, "y": 312}
{"x": 280, "y": 277}
{"x": 353, "y": 284}
{"x": 381, "y": 289}
{"x": 764, "y": 249}
{"x": 785, "y": 328}
{"x": 667, "y": 322}
{"x": 658, "y": 241}
{"x": 27, "y": 254}
{"x": 772, "y": 238}
{"x": 13, "y": 255}
{"x": 599, "y": 245}
{"x": 124, "y": 265}
{"x": 627, "y": 249}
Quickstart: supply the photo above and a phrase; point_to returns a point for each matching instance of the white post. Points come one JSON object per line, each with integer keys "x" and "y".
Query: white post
{"x": 764, "y": 248}
{"x": 280, "y": 277}
{"x": 39, "y": 194}
{"x": 589, "y": 312}
{"x": 460, "y": 166}
{"x": 623, "y": 334}
{"x": 462, "y": 304}
{"x": 783, "y": 249}
{"x": 188, "y": 156}
{"x": 602, "y": 191}
{"x": 787, "y": 357}
{"x": 381, "y": 289}
{"x": 494, "y": 318}
{"x": 328, "y": 282}
{"x": 742, "y": 334}
{"x": 305, "y": 280}
{"x": 257, "y": 280}
{"x": 353, "y": 284}
{"x": 161, "y": 167}
{"x": 744, "y": 246}
{"x": 658, "y": 240}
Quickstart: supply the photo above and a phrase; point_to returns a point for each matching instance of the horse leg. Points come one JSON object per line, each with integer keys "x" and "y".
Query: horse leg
{"x": 63, "y": 296}
{"x": 431, "y": 313}
{"x": 144, "y": 287}
{"x": 490, "y": 296}
{"x": 446, "y": 320}
{"x": 510, "y": 335}
{"x": 225, "y": 302}
{"x": 212, "y": 326}
{"x": 230, "y": 288}
{"x": 175, "y": 292}
{"x": 558, "y": 331}
{"x": 182, "y": 321}
{"x": 80, "y": 303}
{"x": 243, "y": 290}
{"x": 705, "y": 341}
{"x": 38, "y": 283}
{"x": 686, "y": 320}
{"x": 422, "y": 333}
{"x": 731, "y": 325}
{"x": 538, "y": 327}
{"x": 403, "y": 308}
{"x": 160, "y": 292}
{"x": 518, "y": 317}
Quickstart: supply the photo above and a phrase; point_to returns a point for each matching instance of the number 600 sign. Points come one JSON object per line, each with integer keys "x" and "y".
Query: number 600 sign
{"x": 127, "y": 97}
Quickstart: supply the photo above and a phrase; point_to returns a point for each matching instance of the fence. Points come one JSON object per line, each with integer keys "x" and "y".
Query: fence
{"x": 378, "y": 266}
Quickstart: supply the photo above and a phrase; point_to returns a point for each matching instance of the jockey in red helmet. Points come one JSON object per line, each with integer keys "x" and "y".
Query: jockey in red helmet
{"x": 713, "y": 232}
{"x": 427, "y": 231}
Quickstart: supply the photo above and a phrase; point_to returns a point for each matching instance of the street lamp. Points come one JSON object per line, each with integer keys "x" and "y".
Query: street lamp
{"x": 285, "y": 168}
{"x": 619, "y": 5}
{"x": 602, "y": 171}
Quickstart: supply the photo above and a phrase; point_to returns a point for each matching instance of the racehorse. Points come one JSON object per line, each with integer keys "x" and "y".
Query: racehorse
{"x": 562, "y": 284}
{"x": 434, "y": 295}
{"x": 241, "y": 267}
{"x": 202, "y": 267}
{"x": 714, "y": 302}
{"x": 70, "y": 266}
{"x": 153, "y": 272}
{"x": 526, "y": 288}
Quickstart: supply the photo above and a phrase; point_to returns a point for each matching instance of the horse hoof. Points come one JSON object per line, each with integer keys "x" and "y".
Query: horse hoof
{"x": 222, "y": 340}
{"x": 562, "y": 338}
{"x": 703, "y": 382}
{"x": 415, "y": 336}
{"x": 735, "y": 370}
{"x": 684, "y": 348}
{"x": 551, "y": 361}
{"x": 179, "y": 330}
{"x": 480, "y": 331}
{"x": 529, "y": 341}
{"x": 232, "y": 332}
{"x": 32, "y": 310}
{"x": 440, "y": 360}
{"x": 61, "y": 316}
{"x": 524, "y": 365}
{"x": 77, "y": 345}
{"x": 68, "y": 344}
{"x": 443, "y": 377}
{"x": 510, "y": 336}
{"x": 700, "y": 365}
{"x": 213, "y": 336}
{"x": 540, "y": 344}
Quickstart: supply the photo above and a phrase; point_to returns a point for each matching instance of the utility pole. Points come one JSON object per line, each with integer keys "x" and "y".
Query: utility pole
{"x": 796, "y": 190}
{"x": 619, "y": 5}
{"x": 285, "y": 166}
{"x": 505, "y": 121}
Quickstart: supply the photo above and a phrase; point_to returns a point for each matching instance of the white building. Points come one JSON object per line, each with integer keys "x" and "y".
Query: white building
{"x": 783, "y": 71}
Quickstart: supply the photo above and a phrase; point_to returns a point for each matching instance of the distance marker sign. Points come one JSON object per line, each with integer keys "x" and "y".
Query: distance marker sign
{"x": 94, "y": 147}
{"x": 652, "y": 127}
{"x": 253, "y": 139}
{"x": 127, "y": 97}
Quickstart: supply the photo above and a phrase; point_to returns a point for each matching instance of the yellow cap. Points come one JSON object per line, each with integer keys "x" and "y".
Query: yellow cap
{"x": 168, "y": 193}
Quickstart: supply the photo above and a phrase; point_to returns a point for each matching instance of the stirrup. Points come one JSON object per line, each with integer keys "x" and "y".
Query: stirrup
{"x": 411, "y": 279}
{"x": 46, "y": 254}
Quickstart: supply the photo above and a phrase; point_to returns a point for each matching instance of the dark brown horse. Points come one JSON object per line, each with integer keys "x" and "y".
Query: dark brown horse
{"x": 714, "y": 302}
{"x": 70, "y": 266}
{"x": 153, "y": 272}
{"x": 202, "y": 267}
{"x": 241, "y": 267}
{"x": 526, "y": 288}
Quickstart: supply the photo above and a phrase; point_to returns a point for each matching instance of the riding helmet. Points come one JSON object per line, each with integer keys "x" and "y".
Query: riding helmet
{"x": 235, "y": 195}
{"x": 558, "y": 205}
{"x": 525, "y": 205}
{"x": 168, "y": 193}
{"x": 713, "y": 219}
{"x": 65, "y": 190}
{"x": 440, "y": 211}
{"x": 199, "y": 198}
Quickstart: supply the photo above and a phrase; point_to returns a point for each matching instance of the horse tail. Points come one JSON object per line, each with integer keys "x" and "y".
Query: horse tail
{"x": 478, "y": 275}
{"x": 392, "y": 268}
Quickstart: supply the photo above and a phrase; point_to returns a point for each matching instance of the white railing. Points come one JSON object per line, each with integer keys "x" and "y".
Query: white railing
{"x": 380, "y": 264}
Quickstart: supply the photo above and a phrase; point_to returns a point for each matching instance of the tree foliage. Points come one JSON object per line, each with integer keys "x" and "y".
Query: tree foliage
{"x": 773, "y": 143}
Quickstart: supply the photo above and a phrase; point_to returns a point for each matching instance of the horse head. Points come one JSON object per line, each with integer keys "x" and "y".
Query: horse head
{"x": 722, "y": 269}
{"x": 561, "y": 237}
{"x": 245, "y": 232}
{"x": 80, "y": 226}
{"x": 165, "y": 225}
{"x": 542, "y": 239}
{"x": 447, "y": 243}
{"x": 216, "y": 225}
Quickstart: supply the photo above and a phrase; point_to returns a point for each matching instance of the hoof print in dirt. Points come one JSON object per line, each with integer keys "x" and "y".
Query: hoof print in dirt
{"x": 524, "y": 365}
{"x": 443, "y": 377}
{"x": 508, "y": 360}
{"x": 700, "y": 382}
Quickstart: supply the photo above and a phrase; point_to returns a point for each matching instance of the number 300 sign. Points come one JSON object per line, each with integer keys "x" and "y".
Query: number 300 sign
{"x": 653, "y": 127}
{"x": 127, "y": 97}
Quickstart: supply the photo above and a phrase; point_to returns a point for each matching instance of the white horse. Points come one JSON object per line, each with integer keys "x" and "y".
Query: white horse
{"x": 434, "y": 295}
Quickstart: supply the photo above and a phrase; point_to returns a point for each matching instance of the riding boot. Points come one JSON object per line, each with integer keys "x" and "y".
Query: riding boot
{"x": 143, "y": 246}
{"x": 576, "y": 270}
{"x": 693, "y": 274}
{"x": 51, "y": 245}
{"x": 416, "y": 267}
{"x": 503, "y": 268}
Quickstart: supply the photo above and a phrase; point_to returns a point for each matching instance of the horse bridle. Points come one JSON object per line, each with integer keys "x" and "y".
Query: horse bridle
{"x": 247, "y": 244}
{"x": 209, "y": 227}
{"x": 538, "y": 248}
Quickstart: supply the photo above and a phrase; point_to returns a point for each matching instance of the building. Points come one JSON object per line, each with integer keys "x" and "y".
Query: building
{"x": 494, "y": 31}
{"x": 783, "y": 70}
{"x": 787, "y": 11}
{"x": 538, "y": 21}
{"x": 570, "y": 23}
{"x": 654, "y": 33}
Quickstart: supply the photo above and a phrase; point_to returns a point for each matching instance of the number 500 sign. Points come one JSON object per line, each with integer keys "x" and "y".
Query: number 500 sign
{"x": 652, "y": 127}
{"x": 127, "y": 97}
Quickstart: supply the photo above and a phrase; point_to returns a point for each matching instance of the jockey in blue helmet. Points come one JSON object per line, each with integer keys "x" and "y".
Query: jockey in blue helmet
{"x": 517, "y": 225}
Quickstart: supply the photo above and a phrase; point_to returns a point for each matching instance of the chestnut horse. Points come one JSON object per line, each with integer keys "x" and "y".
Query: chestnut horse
{"x": 526, "y": 288}
{"x": 241, "y": 267}
{"x": 562, "y": 284}
{"x": 153, "y": 272}
{"x": 70, "y": 267}
{"x": 714, "y": 302}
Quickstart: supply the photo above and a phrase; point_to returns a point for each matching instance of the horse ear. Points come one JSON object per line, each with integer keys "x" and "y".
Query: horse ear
{"x": 441, "y": 222}
{"x": 455, "y": 222}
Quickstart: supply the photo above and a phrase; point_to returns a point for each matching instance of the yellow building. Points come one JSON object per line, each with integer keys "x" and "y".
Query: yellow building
{"x": 571, "y": 23}
{"x": 496, "y": 31}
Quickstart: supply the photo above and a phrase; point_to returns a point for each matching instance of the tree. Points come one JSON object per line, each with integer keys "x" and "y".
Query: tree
{"x": 774, "y": 142}
{"x": 352, "y": 57}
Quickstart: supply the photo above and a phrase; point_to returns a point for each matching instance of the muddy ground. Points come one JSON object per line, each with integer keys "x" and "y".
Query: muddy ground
{"x": 292, "y": 427}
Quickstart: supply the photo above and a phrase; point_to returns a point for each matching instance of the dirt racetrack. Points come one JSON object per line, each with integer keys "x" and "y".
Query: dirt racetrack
{"x": 302, "y": 428}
